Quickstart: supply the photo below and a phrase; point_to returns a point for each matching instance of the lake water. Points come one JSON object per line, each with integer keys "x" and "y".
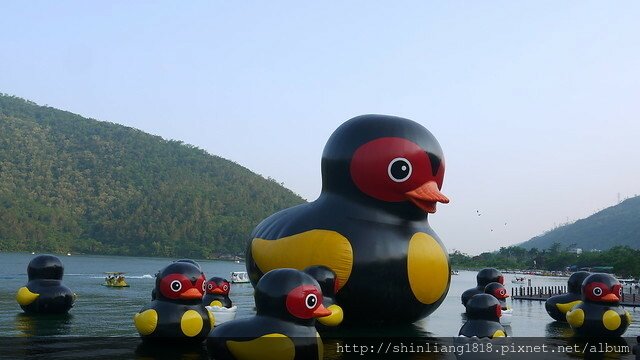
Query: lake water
{"x": 101, "y": 312}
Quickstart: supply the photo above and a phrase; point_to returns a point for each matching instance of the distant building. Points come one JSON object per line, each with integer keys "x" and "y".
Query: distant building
{"x": 575, "y": 250}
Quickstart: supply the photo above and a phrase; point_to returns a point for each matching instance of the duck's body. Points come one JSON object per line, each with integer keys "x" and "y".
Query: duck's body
{"x": 600, "y": 313}
{"x": 217, "y": 293}
{"x": 287, "y": 302}
{"x": 45, "y": 293}
{"x": 557, "y": 306}
{"x": 483, "y": 318}
{"x": 177, "y": 312}
{"x": 371, "y": 231}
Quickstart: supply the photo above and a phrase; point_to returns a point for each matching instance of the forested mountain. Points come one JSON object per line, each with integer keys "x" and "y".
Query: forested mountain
{"x": 68, "y": 183}
{"x": 618, "y": 225}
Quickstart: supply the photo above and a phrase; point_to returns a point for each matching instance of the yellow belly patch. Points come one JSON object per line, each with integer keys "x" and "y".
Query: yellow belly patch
{"x": 428, "y": 268}
{"x": 564, "y": 308}
{"x": 191, "y": 323}
{"x": 313, "y": 247}
{"x": 25, "y": 297}
{"x": 611, "y": 320}
{"x": 146, "y": 321}
{"x": 628, "y": 315}
{"x": 216, "y": 303}
{"x": 268, "y": 347}
{"x": 575, "y": 318}
{"x": 499, "y": 333}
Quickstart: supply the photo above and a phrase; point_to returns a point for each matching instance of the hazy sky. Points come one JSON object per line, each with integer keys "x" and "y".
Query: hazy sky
{"x": 535, "y": 104}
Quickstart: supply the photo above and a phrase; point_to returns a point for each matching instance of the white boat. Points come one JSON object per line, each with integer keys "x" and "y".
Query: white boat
{"x": 239, "y": 277}
{"x": 519, "y": 280}
{"x": 223, "y": 314}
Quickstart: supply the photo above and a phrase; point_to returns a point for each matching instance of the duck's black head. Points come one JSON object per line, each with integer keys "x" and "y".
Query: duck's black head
{"x": 326, "y": 278}
{"x": 487, "y": 276}
{"x": 601, "y": 288}
{"x": 181, "y": 282}
{"x": 45, "y": 267}
{"x": 574, "y": 284}
{"x": 484, "y": 307}
{"x": 387, "y": 162}
{"x": 289, "y": 294}
{"x": 191, "y": 262}
{"x": 217, "y": 285}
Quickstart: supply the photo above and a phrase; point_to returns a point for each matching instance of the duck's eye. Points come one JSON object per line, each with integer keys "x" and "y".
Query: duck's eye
{"x": 225, "y": 287}
{"x": 210, "y": 286}
{"x": 204, "y": 286}
{"x": 620, "y": 292}
{"x": 597, "y": 291}
{"x": 311, "y": 301}
{"x": 176, "y": 285}
{"x": 399, "y": 169}
{"x": 502, "y": 292}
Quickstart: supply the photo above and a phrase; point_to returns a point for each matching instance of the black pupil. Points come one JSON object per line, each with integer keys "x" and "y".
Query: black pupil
{"x": 175, "y": 285}
{"x": 399, "y": 169}
{"x": 597, "y": 291}
{"x": 311, "y": 301}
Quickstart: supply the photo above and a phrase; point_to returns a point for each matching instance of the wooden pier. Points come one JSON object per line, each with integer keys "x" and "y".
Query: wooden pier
{"x": 542, "y": 293}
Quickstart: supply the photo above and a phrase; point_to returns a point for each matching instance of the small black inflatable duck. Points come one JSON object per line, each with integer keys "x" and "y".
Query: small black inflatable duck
{"x": 381, "y": 176}
{"x": 557, "y": 306}
{"x": 600, "y": 313}
{"x": 287, "y": 303}
{"x": 484, "y": 277}
{"x": 483, "y": 318}
{"x": 217, "y": 293}
{"x": 177, "y": 311}
{"x": 499, "y": 292}
{"x": 45, "y": 292}
{"x": 329, "y": 285}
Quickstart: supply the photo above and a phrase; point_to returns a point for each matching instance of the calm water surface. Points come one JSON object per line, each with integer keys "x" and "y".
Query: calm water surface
{"x": 107, "y": 312}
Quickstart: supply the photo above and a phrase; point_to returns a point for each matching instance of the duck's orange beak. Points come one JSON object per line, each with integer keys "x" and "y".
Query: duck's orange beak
{"x": 610, "y": 298}
{"x": 192, "y": 293}
{"x": 321, "y": 311}
{"x": 426, "y": 196}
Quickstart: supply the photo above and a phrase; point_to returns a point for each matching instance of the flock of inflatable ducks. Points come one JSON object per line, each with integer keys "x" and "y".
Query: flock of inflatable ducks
{"x": 329, "y": 259}
{"x": 591, "y": 306}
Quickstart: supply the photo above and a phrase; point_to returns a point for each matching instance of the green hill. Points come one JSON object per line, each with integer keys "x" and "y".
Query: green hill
{"x": 618, "y": 225}
{"x": 68, "y": 183}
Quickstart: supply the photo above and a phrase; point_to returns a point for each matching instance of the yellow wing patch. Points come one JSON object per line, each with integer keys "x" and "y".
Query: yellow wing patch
{"x": 611, "y": 320}
{"x": 25, "y": 297}
{"x": 191, "y": 323}
{"x": 268, "y": 347}
{"x": 216, "y": 303}
{"x": 575, "y": 318}
{"x": 146, "y": 321}
{"x": 564, "y": 308}
{"x": 313, "y": 247}
{"x": 428, "y": 268}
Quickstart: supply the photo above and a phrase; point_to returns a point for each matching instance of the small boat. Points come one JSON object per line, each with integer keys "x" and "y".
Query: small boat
{"x": 455, "y": 272}
{"x": 519, "y": 280}
{"x": 223, "y": 314}
{"x": 115, "y": 279}
{"x": 238, "y": 277}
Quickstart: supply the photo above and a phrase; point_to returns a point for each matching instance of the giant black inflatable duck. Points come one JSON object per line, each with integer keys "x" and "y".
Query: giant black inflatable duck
{"x": 45, "y": 292}
{"x": 483, "y": 278}
{"x": 287, "y": 303}
{"x": 177, "y": 312}
{"x": 217, "y": 293}
{"x": 483, "y": 318}
{"x": 557, "y": 306}
{"x": 600, "y": 313}
{"x": 381, "y": 175}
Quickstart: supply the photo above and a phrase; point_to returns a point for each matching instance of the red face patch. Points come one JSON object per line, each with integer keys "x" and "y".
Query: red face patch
{"x": 388, "y": 168}
{"x": 214, "y": 288}
{"x": 178, "y": 286}
{"x": 303, "y": 301}
{"x": 600, "y": 292}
